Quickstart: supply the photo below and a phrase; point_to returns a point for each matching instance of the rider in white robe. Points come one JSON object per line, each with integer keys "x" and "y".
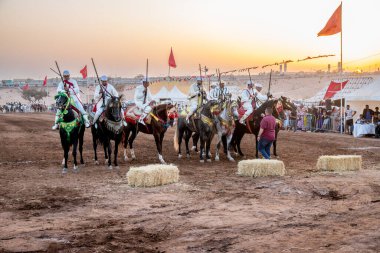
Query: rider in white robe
{"x": 247, "y": 97}
{"x": 196, "y": 96}
{"x": 107, "y": 91}
{"x": 71, "y": 87}
{"x": 143, "y": 98}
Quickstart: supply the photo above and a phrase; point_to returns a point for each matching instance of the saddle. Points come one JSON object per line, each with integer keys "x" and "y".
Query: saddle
{"x": 133, "y": 114}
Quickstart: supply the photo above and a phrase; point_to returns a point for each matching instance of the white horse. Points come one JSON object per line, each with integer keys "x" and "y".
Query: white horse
{"x": 225, "y": 126}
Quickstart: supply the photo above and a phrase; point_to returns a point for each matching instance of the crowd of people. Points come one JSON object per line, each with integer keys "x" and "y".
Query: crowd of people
{"x": 322, "y": 119}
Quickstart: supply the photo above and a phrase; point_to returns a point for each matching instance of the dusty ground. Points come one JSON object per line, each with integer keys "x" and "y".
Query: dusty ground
{"x": 210, "y": 210}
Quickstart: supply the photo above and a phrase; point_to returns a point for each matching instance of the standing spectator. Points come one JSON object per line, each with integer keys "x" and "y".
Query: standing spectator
{"x": 376, "y": 115}
{"x": 367, "y": 114}
{"x": 287, "y": 120}
{"x": 266, "y": 134}
{"x": 349, "y": 119}
{"x": 293, "y": 120}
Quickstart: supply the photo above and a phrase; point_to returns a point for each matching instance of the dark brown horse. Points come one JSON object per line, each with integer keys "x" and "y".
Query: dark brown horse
{"x": 253, "y": 126}
{"x": 160, "y": 122}
{"x": 110, "y": 128}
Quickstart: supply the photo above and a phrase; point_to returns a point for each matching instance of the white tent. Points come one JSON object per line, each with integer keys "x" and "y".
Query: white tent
{"x": 369, "y": 95}
{"x": 176, "y": 95}
{"x": 162, "y": 94}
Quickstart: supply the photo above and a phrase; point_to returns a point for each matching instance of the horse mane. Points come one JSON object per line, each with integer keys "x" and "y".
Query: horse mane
{"x": 261, "y": 109}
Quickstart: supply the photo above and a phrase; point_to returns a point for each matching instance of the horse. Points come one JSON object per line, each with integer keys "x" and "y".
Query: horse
{"x": 110, "y": 127}
{"x": 253, "y": 126}
{"x": 160, "y": 120}
{"x": 225, "y": 128}
{"x": 71, "y": 129}
{"x": 204, "y": 127}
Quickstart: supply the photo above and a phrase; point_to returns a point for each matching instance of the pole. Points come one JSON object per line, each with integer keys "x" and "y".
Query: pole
{"x": 341, "y": 69}
{"x": 147, "y": 66}
{"x": 169, "y": 71}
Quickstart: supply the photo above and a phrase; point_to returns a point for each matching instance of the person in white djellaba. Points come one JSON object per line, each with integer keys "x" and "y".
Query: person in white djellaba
{"x": 102, "y": 96}
{"x": 70, "y": 86}
{"x": 260, "y": 98}
{"x": 247, "y": 97}
{"x": 196, "y": 97}
{"x": 143, "y": 98}
{"x": 220, "y": 92}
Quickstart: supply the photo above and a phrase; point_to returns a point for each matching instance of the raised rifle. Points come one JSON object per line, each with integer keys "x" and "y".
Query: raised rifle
{"x": 270, "y": 81}
{"x": 146, "y": 80}
{"x": 100, "y": 84}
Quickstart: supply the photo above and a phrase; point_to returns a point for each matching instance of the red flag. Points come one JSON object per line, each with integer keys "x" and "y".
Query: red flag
{"x": 45, "y": 81}
{"x": 334, "y": 25}
{"x": 171, "y": 59}
{"x": 25, "y": 87}
{"x": 84, "y": 72}
{"x": 334, "y": 88}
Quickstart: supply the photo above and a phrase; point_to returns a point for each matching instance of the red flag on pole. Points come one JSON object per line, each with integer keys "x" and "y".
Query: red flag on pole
{"x": 334, "y": 25}
{"x": 171, "y": 59}
{"x": 84, "y": 72}
{"x": 45, "y": 81}
{"x": 334, "y": 88}
{"x": 25, "y": 87}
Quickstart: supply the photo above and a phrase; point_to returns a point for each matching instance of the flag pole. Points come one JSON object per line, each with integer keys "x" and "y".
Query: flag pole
{"x": 341, "y": 70}
{"x": 169, "y": 71}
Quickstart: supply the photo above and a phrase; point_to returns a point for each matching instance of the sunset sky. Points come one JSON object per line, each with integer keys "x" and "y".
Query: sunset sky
{"x": 120, "y": 35}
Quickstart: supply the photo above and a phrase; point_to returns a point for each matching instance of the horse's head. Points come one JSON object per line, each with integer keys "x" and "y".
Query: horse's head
{"x": 113, "y": 110}
{"x": 61, "y": 100}
{"x": 287, "y": 104}
{"x": 213, "y": 107}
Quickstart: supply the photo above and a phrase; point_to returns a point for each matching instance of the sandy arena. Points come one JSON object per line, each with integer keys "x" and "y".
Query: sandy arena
{"x": 211, "y": 209}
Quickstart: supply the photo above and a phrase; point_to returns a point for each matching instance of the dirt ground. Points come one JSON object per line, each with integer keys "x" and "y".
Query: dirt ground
{"x": 211, "y": 209}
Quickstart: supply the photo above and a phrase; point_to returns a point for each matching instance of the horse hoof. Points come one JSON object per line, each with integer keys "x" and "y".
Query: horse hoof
{"x": 179, "y": 156}
{"x": 188, "y": 156}
{"x": 110, "y": 167}
{"x": 63, "y": 161}
{"x": 117, "y": 168}
{"x": 217, "y": 159}
{"x": 64, "y": 170}
{"x": 96, "y": 162}
{"x": 193, "y": 148}
{"x": 208, "y": 160}
{"x": 126, "y": 158}
{"x": 202, "y": 161}
{"x": 75, "y": 169}
{"x": 106, "y": 162}
{"x": 133, "y": 158}
{"x": 231, "y": 159}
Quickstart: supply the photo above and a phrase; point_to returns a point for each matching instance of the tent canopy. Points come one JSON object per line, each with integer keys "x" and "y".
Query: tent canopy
{"x": 176, "y": 95}
{"x": 162, "y": 94}
{"x": 369, "y": 93}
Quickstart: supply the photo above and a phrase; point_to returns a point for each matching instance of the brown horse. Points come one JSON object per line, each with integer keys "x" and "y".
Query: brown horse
{"x": 160, "y": 122}
{"x": 253, "y": 126}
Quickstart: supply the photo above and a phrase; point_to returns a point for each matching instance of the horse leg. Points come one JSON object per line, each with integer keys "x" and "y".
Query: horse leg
{"x": 195, "y": 142}
{"x": 202, "y": 146}
{"x": 105, "y": 146}
{"x": 208, "y": 145}
{"x": 66, "y": 156}
{"x": 160, "y": 157}
{"x": 75, "y": 146}
{"x": 125, "y": 144}
{"x": 81, "y": 135}
{"x": 275, "y": 144}
{"x": 109, "y": 154}
{"x": 94, "y": 145}
{"x": 218, "y": 146}
{"x": 131, "y": 140}
{"x": 238, "y": 142}
{"x": 187, "y": 139}
{"x": 179, "y": 140}
{"x": 158, "y": 142}
{"x": 116, "y": 151}
{"x": 224, "y": 141}
{"x": 228, "y": 142}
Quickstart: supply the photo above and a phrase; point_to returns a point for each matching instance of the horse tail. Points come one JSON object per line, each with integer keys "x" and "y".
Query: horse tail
{"x": 175, "y": 141}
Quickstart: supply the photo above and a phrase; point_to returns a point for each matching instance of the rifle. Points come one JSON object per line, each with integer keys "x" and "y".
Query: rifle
{"x": 220, "y": 81}
{"x": 270, "y": 81}
{"x": 100, "y": 84}
{"x": 199, "y": 87}
{"x": 59, "y": 73}
{"x": 146, "y": 80}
